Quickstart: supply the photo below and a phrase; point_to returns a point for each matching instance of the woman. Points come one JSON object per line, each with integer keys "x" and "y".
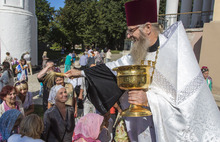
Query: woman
{"x": 44, "y": 59}
{"x": 7, "y": 77}
{"x": 21, "y": 70}
{"x": 98, "y": 58}
{"x": 59, "y": 120}
{"x": 108, "y": 56}
{"x": 30, "y": 130}
{"x": 8, "y": 95}
{"x": 70, "y": 92}
{"x": 88, "y": 128}
{"x": 68, "y": 62}
{"x": 205, "y": 72}
{"x": 102, "y": 54}
{"x": 9, "y": 123}
{"x": 25, "y": 97}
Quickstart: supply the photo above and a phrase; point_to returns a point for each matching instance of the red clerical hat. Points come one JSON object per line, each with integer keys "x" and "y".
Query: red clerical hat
{"x": 141, "y": 11}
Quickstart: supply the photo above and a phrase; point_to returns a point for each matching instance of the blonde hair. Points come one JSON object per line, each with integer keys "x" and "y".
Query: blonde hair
{"x": 45, "y": 53}
{"x": 32, "y": 126}
{"x": 23, "y": 85}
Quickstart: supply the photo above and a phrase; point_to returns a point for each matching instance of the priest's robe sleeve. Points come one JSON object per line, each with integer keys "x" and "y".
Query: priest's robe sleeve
{"x": 103, "y": 91}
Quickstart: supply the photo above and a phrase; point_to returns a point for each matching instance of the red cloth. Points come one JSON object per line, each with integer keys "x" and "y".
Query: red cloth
{"x": 112, "y": 110}
{"x": 141, "y": 11}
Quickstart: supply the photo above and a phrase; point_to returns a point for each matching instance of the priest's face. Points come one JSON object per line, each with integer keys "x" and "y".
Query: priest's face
{"x": 140, "y": 43}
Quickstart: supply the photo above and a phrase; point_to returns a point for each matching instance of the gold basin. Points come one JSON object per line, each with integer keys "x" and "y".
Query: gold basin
{"x": 133, "y": 77}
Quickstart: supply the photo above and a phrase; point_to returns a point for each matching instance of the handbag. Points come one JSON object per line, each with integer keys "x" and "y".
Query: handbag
{"x": 77, "y": 89}
{"x": 80, "y": 103}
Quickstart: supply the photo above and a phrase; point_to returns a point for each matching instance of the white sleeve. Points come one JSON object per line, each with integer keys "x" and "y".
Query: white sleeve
{"x": 52, "y": 95}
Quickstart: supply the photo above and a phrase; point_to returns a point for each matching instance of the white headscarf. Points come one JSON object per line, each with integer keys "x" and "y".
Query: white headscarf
{"x": 57, "y": 88}
{"x": 53, "y": 92}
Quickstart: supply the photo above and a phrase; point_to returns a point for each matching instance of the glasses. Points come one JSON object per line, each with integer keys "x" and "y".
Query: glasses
{"x": 131, "y": 31}
{"x": 20, "y": 82}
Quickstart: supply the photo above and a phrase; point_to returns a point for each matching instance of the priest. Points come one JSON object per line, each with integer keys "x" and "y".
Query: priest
{"x": 182, "y": 106}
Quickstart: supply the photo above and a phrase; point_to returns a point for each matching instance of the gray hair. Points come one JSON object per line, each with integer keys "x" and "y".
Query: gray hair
{"x": 158, "y": 28}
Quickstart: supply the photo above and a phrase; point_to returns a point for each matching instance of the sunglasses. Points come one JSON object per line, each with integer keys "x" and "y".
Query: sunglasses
{"x": 20, "y": 82}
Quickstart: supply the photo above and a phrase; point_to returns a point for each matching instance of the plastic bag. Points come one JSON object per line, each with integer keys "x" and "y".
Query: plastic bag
{"x": 23, "y": 76}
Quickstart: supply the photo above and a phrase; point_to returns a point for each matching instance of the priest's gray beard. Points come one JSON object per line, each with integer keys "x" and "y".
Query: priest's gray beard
{"x": 139, "y": 49}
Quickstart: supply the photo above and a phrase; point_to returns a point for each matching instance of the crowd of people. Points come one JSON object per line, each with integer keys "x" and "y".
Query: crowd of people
{"x": 82, "y": 104}
{"x": 90, "y": 56}
{"x": 60, "y": 102}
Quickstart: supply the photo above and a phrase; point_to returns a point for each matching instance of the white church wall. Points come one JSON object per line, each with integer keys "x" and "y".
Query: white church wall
{"x": 18, "y": 28}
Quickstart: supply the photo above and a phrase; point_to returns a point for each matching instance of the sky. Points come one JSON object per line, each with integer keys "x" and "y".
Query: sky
{"x": 56, "y": 3}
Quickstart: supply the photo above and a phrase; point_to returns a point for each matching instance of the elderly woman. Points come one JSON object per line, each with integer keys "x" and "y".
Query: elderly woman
{"x": 70, "y": 93}
{"x": 24, "y": 96}
{"x": 7, "y": 77}
{"x": 9, "y": 123}
{"x": 35, "y": 127}
{"x": 8, "y": 95}
{"x": 59, "y": 120}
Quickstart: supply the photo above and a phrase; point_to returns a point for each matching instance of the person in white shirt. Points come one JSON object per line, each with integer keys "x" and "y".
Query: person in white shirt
{"x": 108, "y": 56}
{"x": 27, "y": 57}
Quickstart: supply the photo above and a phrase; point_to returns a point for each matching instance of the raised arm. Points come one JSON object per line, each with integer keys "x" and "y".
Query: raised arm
{"x": 44, "y": 70}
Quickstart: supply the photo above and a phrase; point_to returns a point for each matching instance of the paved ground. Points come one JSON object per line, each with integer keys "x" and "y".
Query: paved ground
{"x": 34, "y": 85}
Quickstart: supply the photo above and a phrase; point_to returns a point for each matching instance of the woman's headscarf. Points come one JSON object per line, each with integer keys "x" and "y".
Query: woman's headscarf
{"x": 57, "y": 88}
{"x": 88, "y": 127}
{"x": 55, "y": 91}
{"x": 7, "y": 122}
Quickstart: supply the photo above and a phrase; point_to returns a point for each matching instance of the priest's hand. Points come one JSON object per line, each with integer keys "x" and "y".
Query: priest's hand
{"x": 73, "y": 73}
{"x": 137, "y": 97}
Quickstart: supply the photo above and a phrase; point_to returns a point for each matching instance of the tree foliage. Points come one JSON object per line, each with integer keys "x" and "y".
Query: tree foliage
{"x": 91, "y": 22}
{"x": 99, "y": 23}
{"x": 44, "y": 15}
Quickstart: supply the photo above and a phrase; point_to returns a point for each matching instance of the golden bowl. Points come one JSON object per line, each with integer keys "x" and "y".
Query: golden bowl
{"x": 133, "y": 77}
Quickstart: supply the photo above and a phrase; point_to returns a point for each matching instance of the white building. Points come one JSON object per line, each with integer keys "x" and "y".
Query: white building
{"x": 191, "y": 21}
{"x": 18, "y": 29}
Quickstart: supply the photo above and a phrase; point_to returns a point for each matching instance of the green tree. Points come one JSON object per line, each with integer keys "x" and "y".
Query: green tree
{"x": 44, "y": 15}
{"x": 94, "y": 22}
{"x": 69, "y": 20}
{"x": 113, "y": 18}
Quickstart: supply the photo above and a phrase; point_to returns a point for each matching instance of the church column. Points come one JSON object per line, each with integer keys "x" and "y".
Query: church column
{"x": 158, "y": 6}
{"x": 196, "y": 18}
{"x": 186, "y": 6}
{"x": 206, "y": 7}
{"x": 216, "y": 12}
{"x": 171, "y": 8}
